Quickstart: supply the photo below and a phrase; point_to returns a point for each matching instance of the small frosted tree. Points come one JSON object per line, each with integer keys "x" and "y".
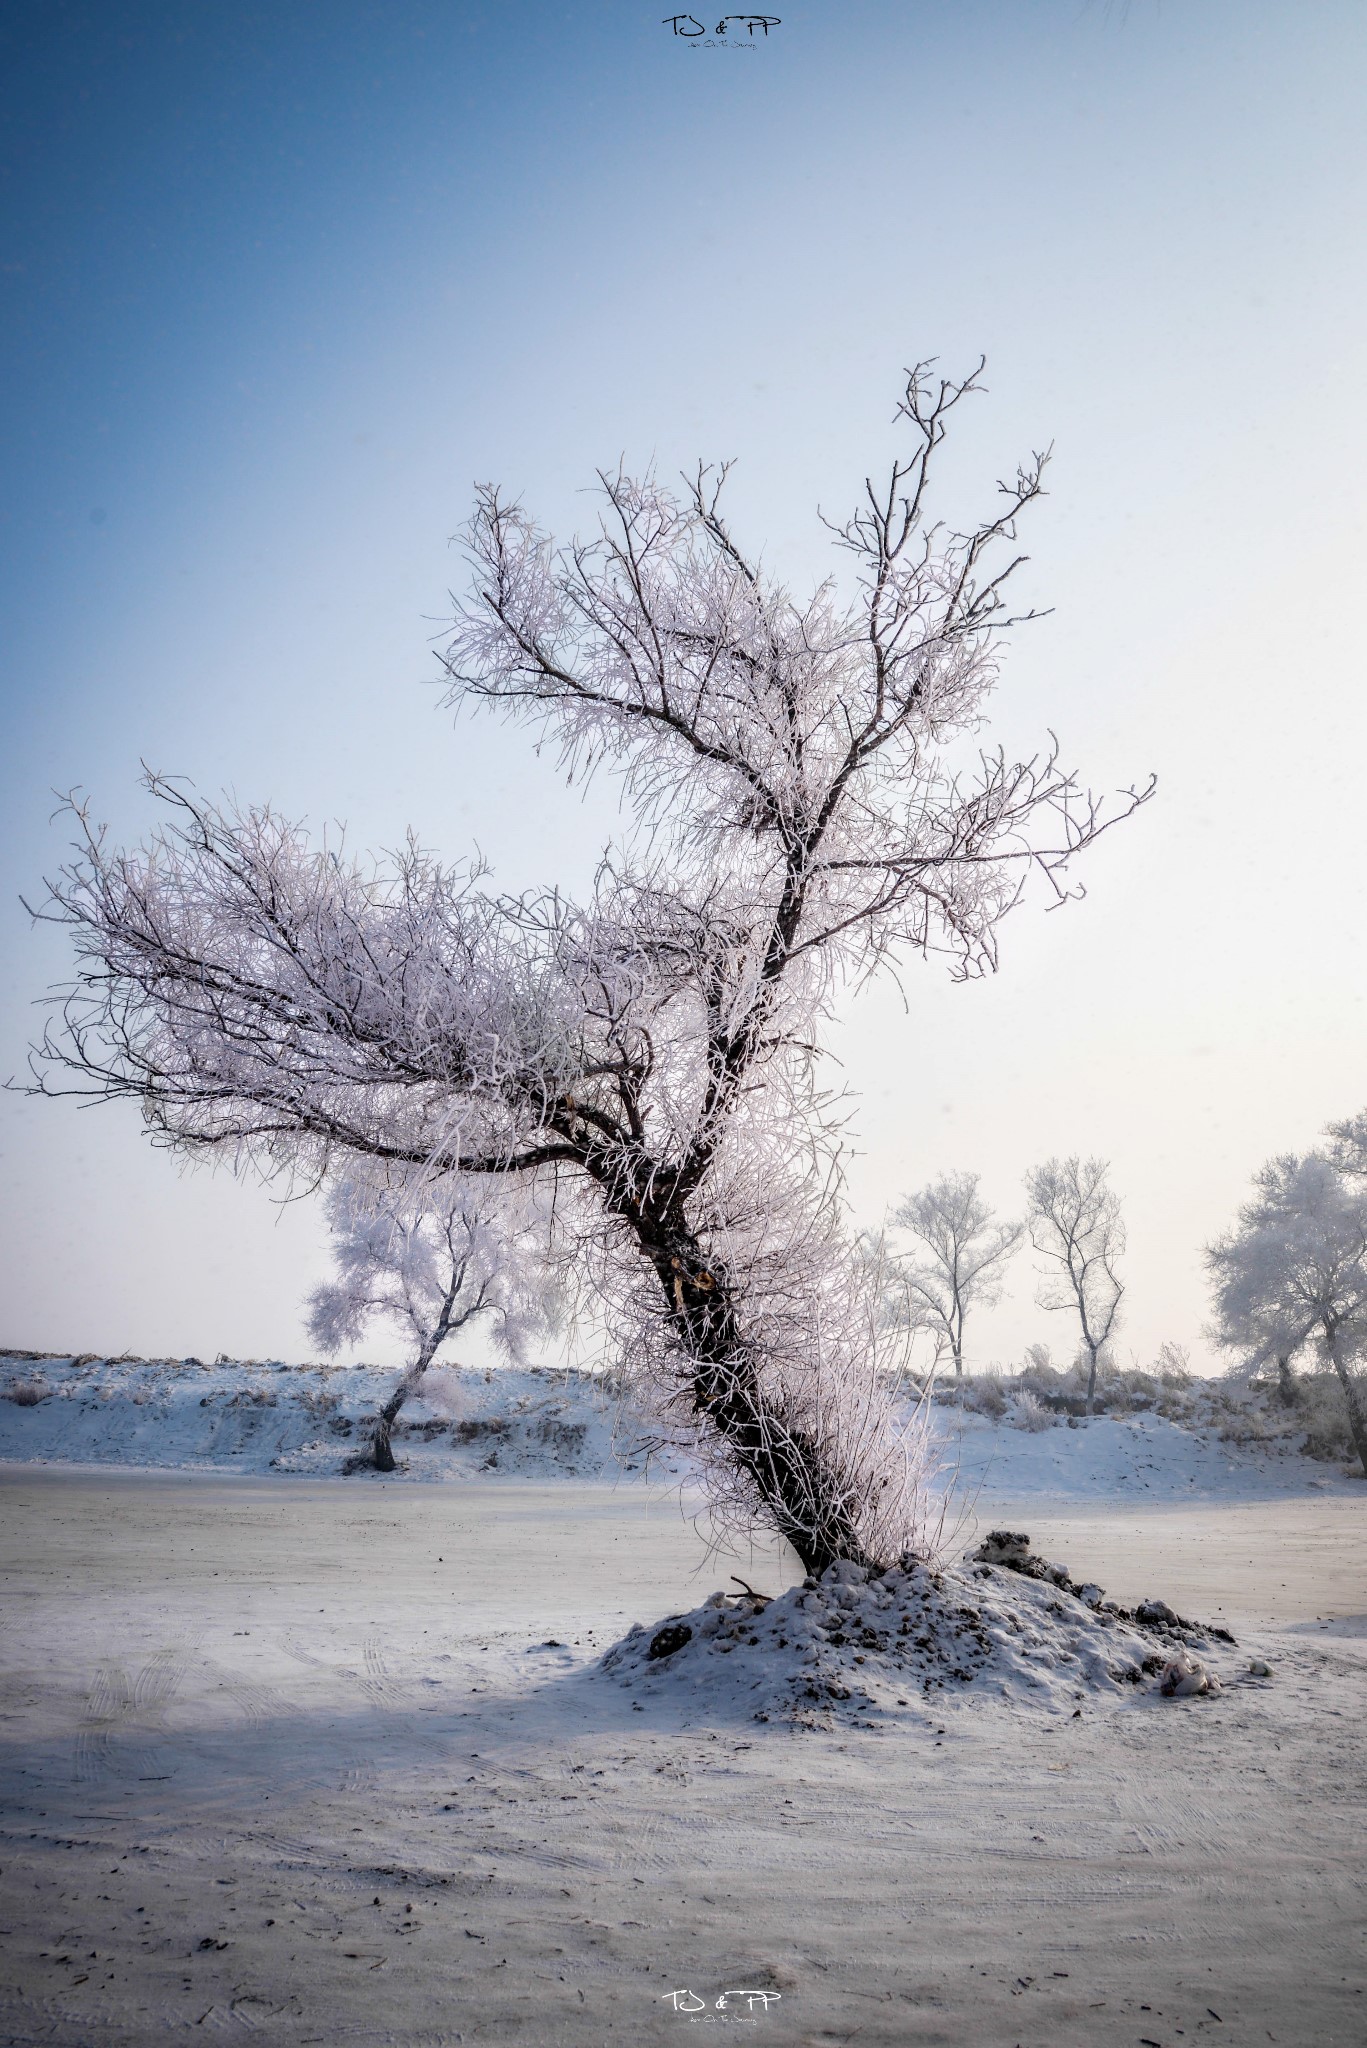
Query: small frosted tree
{"x": 1293, "y": 1270}
{"x": 1075, "y": 1224}
{"x": 958, "y": 1263}
{"x": 430, "y": 1268}
{"x": 806, "y": 801}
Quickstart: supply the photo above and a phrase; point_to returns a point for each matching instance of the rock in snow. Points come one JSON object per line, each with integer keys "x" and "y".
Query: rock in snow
{"x": 1186, "y": 1677}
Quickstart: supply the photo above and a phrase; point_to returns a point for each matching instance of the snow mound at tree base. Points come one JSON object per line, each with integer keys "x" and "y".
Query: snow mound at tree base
{"x": 864, "y": 1646}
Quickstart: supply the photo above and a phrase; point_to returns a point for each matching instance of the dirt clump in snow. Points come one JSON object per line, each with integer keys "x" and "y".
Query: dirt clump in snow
{"x": 1186, "y": 1677}
{"x": 1005, "y": 1549}
{"x": 863, "y": 1646}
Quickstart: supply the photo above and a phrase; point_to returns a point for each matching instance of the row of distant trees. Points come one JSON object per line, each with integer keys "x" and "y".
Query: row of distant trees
{"x": 1289, "y": 1279}
{"x": 961, "y": 1251}
{"x": 432, "y": 1272}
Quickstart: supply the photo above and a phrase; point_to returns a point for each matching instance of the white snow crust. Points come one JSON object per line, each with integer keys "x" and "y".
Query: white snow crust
{"x": 181, "y": 1414}
{"x": 1138, "y": 1457}
{"x": 859, "y": 1646}
{"x": 293, "y": 1758}
{"x": 553, "y": 1423}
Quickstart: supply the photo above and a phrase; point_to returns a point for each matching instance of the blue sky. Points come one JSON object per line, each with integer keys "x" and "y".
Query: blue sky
{"x": 282, "y": 282}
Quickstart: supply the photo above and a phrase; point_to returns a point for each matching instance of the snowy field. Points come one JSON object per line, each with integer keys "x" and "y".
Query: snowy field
{"x": 322, "y": 1761}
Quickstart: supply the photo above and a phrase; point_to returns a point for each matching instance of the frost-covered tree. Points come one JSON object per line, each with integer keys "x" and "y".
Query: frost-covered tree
{"x": 958, "y": 1261}
{"x": 1347, "y": 1146}
{"x": 1075, "y": 1224}
{"x": 430, "y": 1268}
{"x": 806, "y": 802}
{"x": 1295, "y": 1270}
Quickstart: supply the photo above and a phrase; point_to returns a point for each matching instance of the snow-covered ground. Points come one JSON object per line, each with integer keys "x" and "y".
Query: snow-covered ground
{"x": 342, "y": 1760}
{"x": 181, "y": 1414}
{"x": 324, "y": 1762}
{"x": 184, "y": 1415}
{"x": 1123, "y": 1458}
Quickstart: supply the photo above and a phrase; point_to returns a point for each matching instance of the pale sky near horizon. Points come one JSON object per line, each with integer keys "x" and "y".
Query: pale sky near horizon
{"x": 282, "y": 282}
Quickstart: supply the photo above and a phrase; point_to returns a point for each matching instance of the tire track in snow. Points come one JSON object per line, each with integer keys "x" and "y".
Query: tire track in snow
{"x": 377, "y": 1684}
{"x": 107, "y": 1705}
{"x": 260, "y": 1703}
{"x": 116, "y": 1707}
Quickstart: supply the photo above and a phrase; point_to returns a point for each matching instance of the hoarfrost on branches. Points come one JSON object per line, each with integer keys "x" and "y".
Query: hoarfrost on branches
{"x": 1075, "y": 1225}
{"x": 1295, "y": 1269}
{"x": 805, "y": 804}
{"x": 958, "y": 1263}
{"x": 431, "y": 1262}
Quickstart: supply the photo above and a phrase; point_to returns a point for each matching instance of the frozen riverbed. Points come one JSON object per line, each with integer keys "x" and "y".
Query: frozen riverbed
{"x": 286, "y": 1757}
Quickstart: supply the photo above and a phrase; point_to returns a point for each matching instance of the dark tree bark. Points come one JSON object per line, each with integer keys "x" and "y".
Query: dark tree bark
{"x": 1357, "y": 1422}
{"x": 1287, "y": 1389}
{"x": 784, "y": 1464}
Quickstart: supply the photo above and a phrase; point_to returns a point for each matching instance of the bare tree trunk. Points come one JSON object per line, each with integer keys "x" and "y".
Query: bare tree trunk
{"x": 1091, "y": 1379}
{"x": 1357, "y": 1422}
{"x": 382, "y": 1454}
{"x": 797, "y": 1492}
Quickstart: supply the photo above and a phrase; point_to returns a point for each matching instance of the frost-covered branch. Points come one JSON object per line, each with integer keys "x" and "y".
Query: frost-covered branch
{"x": 1075, "y": 1224}
{"x": 431, "y": 1265}
{"x": 957, "y": 1263}
{"x": 807, "y": 801}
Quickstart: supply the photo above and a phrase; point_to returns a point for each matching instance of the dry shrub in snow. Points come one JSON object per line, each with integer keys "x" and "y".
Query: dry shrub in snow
{"x": 1029, "y": 1412}
{"x": 985, "y": 1396}
{"x": 1321, "y": 1414}
{"x": 808, "y": 801}
{"x": 1173, "y": 1364}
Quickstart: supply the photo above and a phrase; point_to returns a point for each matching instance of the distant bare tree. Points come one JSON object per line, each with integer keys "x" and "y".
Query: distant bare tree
{"x": 961, "y": 1252}
{"x": 431, "y": 1267}
{"x": 1075, "y": 1223}
{"x": 1295, "y": 1268}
